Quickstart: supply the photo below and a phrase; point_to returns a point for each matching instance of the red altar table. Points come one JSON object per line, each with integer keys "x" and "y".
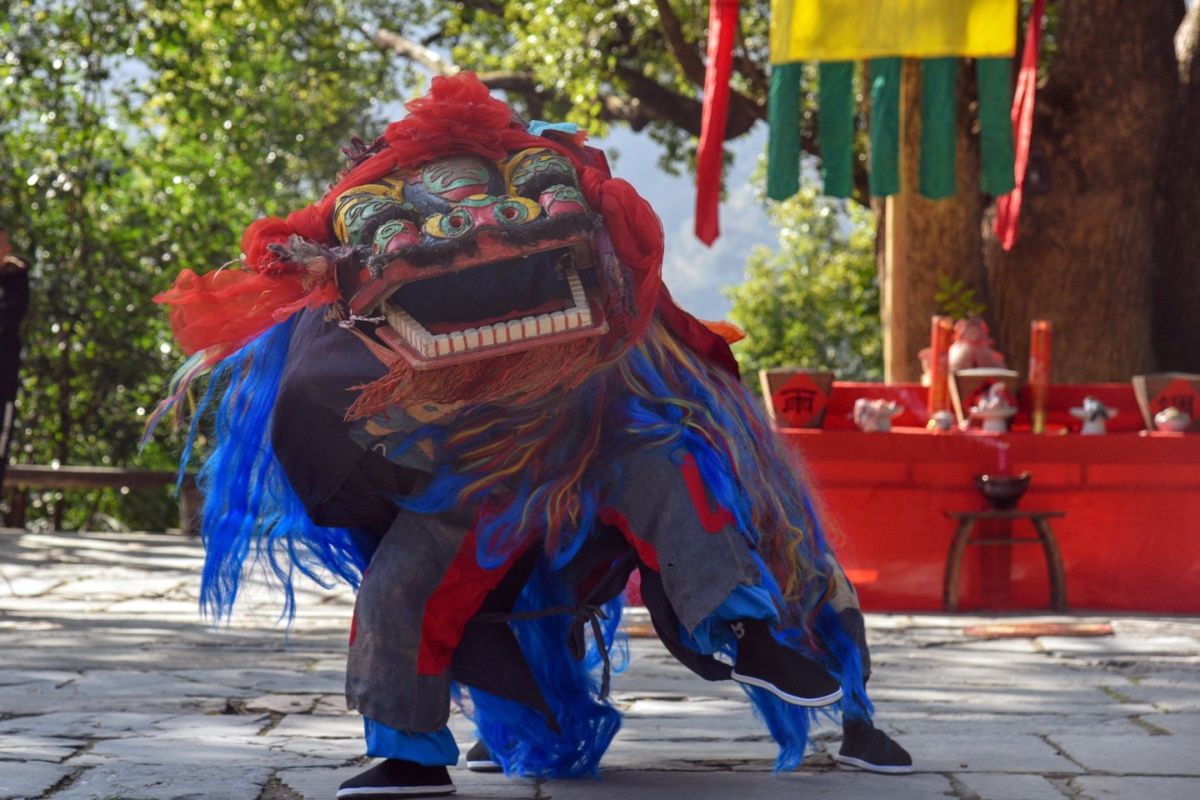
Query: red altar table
{"x": 1130, "y": 539}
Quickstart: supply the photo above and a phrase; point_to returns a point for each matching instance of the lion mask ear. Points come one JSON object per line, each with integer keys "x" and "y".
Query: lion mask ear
{"x": 731, "y": 333}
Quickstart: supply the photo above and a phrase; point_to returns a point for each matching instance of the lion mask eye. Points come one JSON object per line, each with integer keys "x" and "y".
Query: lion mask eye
{"x": 531, "y": 172}
{"x": 359, "y": 213}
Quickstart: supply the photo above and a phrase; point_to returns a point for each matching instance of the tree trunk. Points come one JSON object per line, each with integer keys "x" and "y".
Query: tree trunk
{"x": 1085, "y": 255}
{"x": 1177, "y": 240}
{"x": 926, "y": 239}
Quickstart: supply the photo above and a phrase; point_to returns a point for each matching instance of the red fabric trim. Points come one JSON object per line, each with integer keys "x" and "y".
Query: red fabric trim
{"x": 1008, "y": 207}
{"x": 227, "y": 308}
{"x": 457, "y": 598}
{"x": 702, "y": 340}
{"x": 710, "y": 155}
{"x": 646, "y": 551}
{"x": 713, "y": 516}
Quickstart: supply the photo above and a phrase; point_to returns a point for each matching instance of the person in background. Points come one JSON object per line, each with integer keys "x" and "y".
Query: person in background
{"x": 14, "y": 302}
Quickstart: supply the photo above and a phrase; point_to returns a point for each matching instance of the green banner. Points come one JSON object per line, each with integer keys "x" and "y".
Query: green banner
{"x": 885, "y": 126}
{"x": 783, "y": 135}
{"x": 939, "y": 123}
{"x": 835, "y": 100}
{"x": 994, "y": 76}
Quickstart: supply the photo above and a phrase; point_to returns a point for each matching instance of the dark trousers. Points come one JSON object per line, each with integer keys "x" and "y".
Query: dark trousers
{"x": 8, "y": 413}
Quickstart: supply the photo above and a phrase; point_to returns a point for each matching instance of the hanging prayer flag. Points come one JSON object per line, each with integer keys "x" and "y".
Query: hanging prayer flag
{"x": 994, "y": 78}
{"x": 835, "y": 103}
{"x": 939, "y": 32}
{"x": 722, "y": 25}
{"x": 1008, "y": 207}
{"x": 783, "y": 135}
{"x": 845, "y": 30}
{"x": 885, "y": 126}
{"x": 939, "y": 125}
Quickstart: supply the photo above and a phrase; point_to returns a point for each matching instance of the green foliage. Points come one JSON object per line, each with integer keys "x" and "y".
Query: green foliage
{"x": 956, "y": 299}
{"x": 578, "y": 55}
{"x": 813, "y": 302}
{"x": 137, "y": 139}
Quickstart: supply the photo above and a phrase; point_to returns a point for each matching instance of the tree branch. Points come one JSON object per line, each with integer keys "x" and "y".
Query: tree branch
{"x": 684, "y": 52}
{"x": 649, "y": 100}
{"x": 748, "y": 68}
{"x": 414, "y": 51}
{"x": 613, "y": 109}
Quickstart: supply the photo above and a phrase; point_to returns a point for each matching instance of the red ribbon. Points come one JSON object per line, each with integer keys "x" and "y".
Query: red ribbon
{"x": 722, "y": 25}
{"x": 1008, "y": 207}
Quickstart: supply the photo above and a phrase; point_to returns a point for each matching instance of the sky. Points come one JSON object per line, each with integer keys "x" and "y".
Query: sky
{"x": 693, "y": 272}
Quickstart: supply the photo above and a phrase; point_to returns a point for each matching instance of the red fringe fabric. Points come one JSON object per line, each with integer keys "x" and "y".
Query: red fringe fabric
{"x": 224, "y": 310}
{"x": 722, "y": 25}
{"x": 1008, "y": 207}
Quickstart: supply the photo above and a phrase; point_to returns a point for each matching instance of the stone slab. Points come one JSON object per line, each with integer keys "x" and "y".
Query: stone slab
{"x": 318, "y": 727}
{"x": 1151, "y": 755}
{"x": 86, "y": 725}
{"x": 843, "y": 785}
{"x": 987, "y": 786}
{"x": 1120, "y": 645}
{"x": 322, "y": 784}
{"x": 25, "y": 747}
{"x": 1107, "y": 788}
{"x": 133, "y": 781}
{"x": 1178, "y": 724}
{"x": 31, "y": 779}
{"x": 985, "y": 753}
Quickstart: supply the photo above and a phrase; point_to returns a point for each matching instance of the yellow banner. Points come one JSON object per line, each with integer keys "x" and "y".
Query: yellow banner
{"x": 847, "y": 30}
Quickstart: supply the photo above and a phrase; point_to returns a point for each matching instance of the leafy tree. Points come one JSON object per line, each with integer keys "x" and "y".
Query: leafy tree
{"x": 137, "y": 139}
{"x": 633, "y": 62}
{"x": 813, "y": 302}
{"x": 1116, "y": 139}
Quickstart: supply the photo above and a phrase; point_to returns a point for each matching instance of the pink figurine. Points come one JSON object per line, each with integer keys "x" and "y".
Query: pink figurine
{"x": 972, "y": 346}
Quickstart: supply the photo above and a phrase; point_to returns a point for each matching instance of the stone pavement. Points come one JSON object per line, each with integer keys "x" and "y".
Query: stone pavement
{"x": 112, "y": 688}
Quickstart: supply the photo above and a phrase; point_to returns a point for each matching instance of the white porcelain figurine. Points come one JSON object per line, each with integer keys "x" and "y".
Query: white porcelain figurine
{"x": 994, "y": 410}
{"x": 875, "y": 416}
{"x": 1095, "y": 416}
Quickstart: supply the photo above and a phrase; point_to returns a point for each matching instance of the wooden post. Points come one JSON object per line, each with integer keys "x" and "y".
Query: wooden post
{"x": 926, "y": 239}
{"x": 895, "y": 289}
{"x": 190, "y": 504}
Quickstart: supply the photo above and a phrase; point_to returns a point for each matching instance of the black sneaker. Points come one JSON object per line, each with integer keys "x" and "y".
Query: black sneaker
{"x": 866, "y": 747}
{"x": 479, "y": 759}
{"x": 766, "y": 663}
{"x": 395, "y": 778}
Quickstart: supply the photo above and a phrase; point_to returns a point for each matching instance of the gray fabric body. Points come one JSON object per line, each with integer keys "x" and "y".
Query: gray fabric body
{"x": 698, "y": 569}
{"x": 382, "y": 681}
{"x": 344, "y": 484}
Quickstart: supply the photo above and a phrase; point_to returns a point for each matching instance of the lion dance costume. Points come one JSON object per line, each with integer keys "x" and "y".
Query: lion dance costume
{"x": 458, "y": 383}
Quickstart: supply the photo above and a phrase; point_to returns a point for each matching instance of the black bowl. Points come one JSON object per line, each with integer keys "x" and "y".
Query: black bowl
{"x": 1002, "y": 491}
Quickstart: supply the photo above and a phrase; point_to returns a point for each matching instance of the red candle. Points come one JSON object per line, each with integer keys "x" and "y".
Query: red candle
{"x": 941, "y": 331}
{"x": 1041, "y": 335}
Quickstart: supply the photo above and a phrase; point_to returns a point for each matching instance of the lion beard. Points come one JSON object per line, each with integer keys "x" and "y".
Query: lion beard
{"x": 516, "y": 379}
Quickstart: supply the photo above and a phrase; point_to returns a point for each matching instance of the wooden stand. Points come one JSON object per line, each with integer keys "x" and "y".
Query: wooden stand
{"x": 967, "y": 520}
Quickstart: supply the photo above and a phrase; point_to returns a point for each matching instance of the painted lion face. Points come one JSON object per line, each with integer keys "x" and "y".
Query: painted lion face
{"x": 472, "y": 259}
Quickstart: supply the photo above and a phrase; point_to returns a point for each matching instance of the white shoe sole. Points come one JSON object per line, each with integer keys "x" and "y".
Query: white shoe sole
{"x": 810, "y": 702}
{"x": 484, "y": 766}
{"x": 398, "y": 791}
{"x": 851, "y": 761}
